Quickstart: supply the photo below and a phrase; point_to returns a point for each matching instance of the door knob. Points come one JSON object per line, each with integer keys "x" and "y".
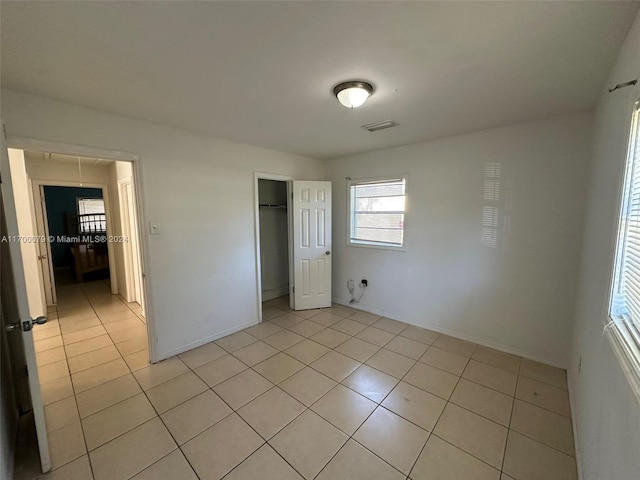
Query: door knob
{"x": 327, "y": 252}
{"x": 26, "y": 325}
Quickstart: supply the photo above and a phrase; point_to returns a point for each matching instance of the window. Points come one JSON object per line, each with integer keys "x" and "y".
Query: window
{"x": 376, "y": 212}
{"x": 624, "y": 307}
{"x": 91, "y": 215}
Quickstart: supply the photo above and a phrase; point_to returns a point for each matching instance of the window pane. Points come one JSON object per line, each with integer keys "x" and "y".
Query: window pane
{"x": 91, "y": 215}
{"x": 379, "y": 204}
{"x": 380, "y": 220}
{"x": 377, "y": 212}
{"x": 625, "y": 298}
{"x": 90, "y": 205}
{"x": 380, "y": 189}
{"x": 379, "y": 236}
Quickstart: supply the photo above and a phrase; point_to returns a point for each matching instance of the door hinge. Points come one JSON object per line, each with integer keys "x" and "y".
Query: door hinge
{"x": 294, "y": 289}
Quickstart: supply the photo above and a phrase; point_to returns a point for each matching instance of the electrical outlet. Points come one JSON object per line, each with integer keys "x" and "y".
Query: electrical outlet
{"x": 350, "y": 284}
{"x": 364, "y": 282}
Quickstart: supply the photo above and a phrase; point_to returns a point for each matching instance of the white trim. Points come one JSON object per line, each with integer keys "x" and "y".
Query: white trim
{"x": 42, "y": 229}
{"x": 574, "y": 425}
{"x": 275, "y": 293}
{"x": 34, "y": 223}
{"x": 127, "y": 251}
{"x": 554, "y": 362}
{"x": 145, "y": 266}
{"x": 205, "y": 340}
{"x": 628, "y": 356}
{"x": 256, "y": 214}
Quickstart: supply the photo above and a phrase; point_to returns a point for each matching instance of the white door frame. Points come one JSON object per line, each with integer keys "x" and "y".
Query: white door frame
{"x": 38, "y": 145}
{"x": 131, "y": 248}
{"x": 42, "y": 229}
{"x": 38, "y": 189}
{"x": 282, "y": 178}
{"x": 34, "y": 221}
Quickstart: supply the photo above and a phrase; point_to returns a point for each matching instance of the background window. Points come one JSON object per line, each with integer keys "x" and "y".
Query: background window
{"x": 624, "y": 308}
{"x": 91, "y": 215}
{"x": 376, "y": 212}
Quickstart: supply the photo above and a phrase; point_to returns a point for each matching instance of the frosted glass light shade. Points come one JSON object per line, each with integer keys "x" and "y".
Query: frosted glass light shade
{"x": 353, "y": 94}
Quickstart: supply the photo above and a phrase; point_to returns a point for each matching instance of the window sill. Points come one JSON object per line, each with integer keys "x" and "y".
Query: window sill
{"x": 628, "y": 355}
{"x": 377, "y": 247}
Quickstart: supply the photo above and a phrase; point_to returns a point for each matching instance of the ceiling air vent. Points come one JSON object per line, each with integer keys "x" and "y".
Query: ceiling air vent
{"x": 374, "y": 127}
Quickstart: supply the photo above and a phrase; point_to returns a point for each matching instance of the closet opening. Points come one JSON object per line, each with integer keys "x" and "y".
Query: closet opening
{"x": 273, "y": 240}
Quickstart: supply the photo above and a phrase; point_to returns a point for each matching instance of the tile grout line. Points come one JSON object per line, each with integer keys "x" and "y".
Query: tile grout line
{"x": 250, "y": 367}
{"x": 75, "y": 394}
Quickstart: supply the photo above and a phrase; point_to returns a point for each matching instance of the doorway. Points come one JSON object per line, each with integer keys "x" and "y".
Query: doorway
{"x": 274, "y": 240}
{"x": 82, "y": 211}
{"x": 92, "y": 329}
{"x": 293, "y": 242}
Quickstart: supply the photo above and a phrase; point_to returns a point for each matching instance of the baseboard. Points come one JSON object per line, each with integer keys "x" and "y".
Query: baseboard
{"x": 574, "y": 426}
{"x": 205, "y": 340}
{"x": 453, "y": 333}
{"x": 275, "y": 293}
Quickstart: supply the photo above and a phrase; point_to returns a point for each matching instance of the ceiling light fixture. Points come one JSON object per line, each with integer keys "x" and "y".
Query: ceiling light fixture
{"x": 354, "y": 93}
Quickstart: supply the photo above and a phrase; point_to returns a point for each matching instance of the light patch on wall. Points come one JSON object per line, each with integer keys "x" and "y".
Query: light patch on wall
{"x": 496, "y": 213}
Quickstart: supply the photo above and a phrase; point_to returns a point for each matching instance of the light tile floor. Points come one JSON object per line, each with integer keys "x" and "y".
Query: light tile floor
{"x": 326, "y": 394}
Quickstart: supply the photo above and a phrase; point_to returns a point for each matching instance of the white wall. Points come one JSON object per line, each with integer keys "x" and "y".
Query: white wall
{"x": 605, "y": 410}
{"x": 274, "y": 244}
{"x": 201, "y": 269}
{"x": 518, "y": 296}
{"x": 27, "y": 229}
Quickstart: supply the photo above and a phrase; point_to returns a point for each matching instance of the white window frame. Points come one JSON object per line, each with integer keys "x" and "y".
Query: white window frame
{"x": 372, "y": 244}
{"x": 624, "y": 330}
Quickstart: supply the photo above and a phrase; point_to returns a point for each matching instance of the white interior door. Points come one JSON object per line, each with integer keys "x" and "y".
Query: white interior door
{"x": 132, "y": 247}
{"x": 44, "y": 254}
{"x": 311, "y": 244}
{"x": 22, "y": 324}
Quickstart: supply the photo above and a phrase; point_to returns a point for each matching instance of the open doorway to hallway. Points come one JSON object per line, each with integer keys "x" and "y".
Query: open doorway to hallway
{"x": 77, "y": 221}
{"x": 81, "y": 213}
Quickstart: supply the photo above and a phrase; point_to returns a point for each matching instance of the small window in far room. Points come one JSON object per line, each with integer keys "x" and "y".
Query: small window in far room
{"x": 91, "y": 215}
{"x": 376, "y": 212}
{"x": 624, "y": 307}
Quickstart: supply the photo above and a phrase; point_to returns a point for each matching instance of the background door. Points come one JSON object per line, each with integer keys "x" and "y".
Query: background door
{"x": 14, "y": 293}
{"x": 311, "y": 244}
{"x": 44, "y": 255}
{"x": 131, "y": 247}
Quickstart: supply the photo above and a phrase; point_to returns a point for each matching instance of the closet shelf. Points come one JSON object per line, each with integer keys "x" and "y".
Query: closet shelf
{"x": 269, "y": 205}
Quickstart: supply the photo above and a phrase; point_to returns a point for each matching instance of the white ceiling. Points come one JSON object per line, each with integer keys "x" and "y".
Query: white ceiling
{"x": 262, "y": 73}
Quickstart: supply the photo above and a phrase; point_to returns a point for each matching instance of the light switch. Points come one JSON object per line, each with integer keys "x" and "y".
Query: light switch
{"x": 154, "y": 228}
